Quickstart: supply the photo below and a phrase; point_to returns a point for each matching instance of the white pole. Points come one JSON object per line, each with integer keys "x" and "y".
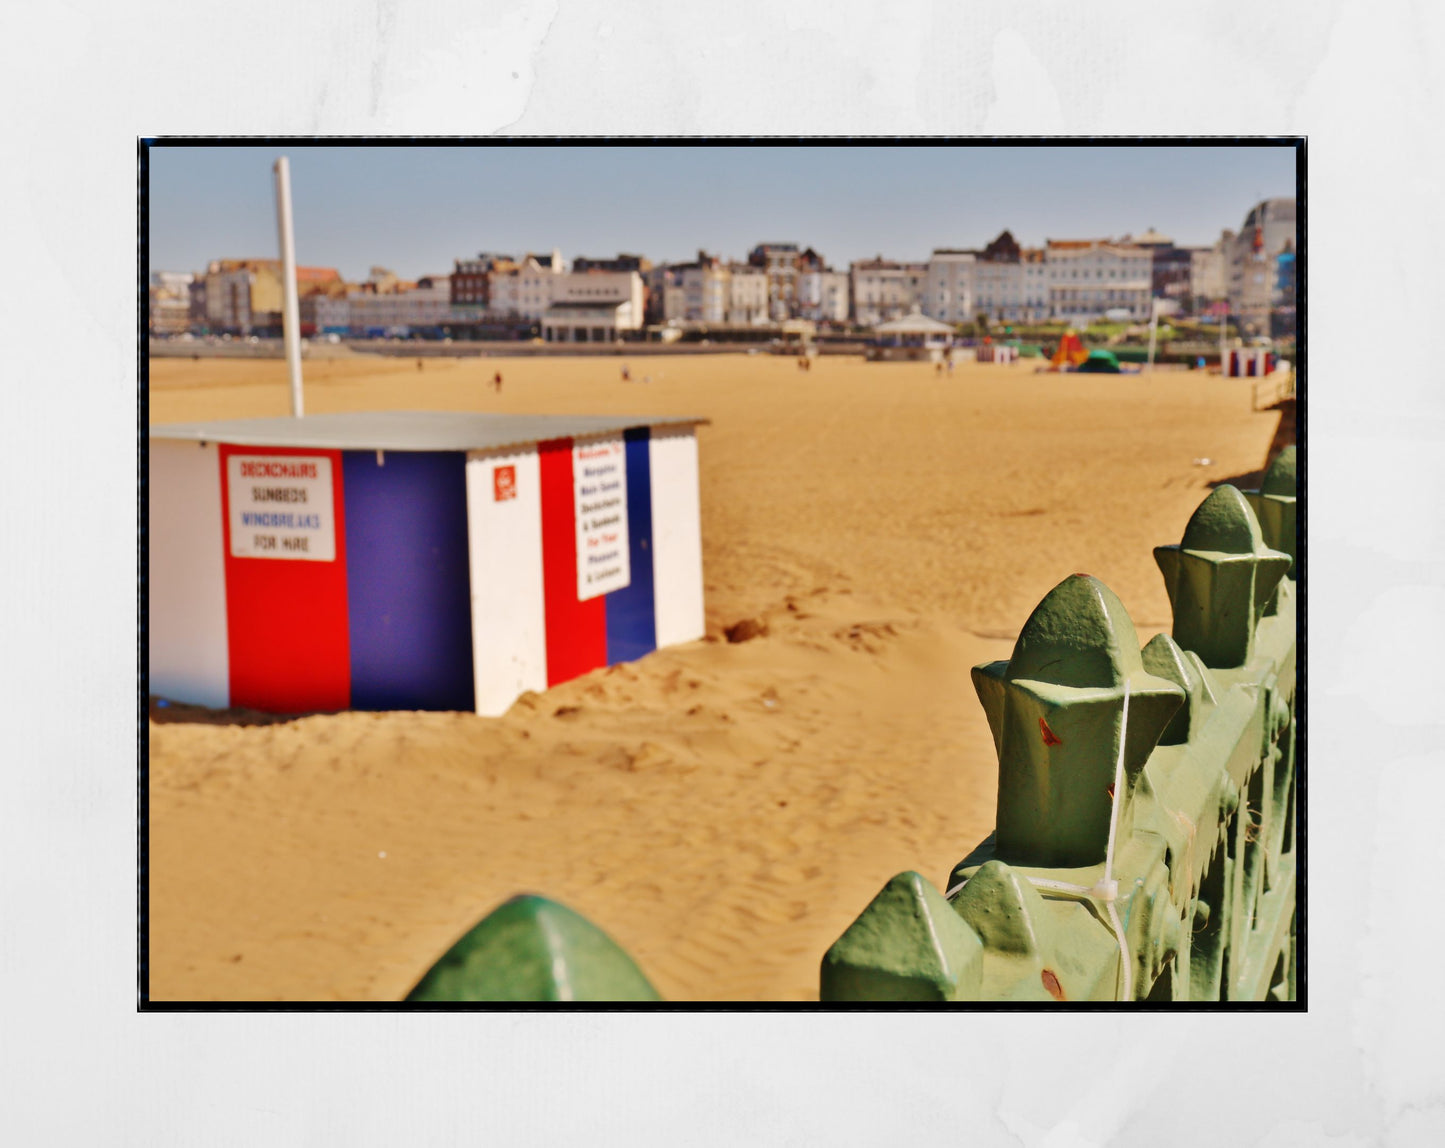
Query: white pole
{"x": 290, "y": 314}
{"x": 1153, "y": 329}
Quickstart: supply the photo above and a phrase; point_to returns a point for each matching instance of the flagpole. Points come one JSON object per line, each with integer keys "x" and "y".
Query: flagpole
{"x": 1153, "y": 330}
{"x": 290, "y": 314}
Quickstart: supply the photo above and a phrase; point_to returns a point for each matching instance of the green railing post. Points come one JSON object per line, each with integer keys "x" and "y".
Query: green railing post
{"x": 907, "y": 945}
{"x": 1219, "y": 579}
{"x": 1274, "y": 504}
{"x": 1055, "y": 710}
{"x": 533, "y": 949}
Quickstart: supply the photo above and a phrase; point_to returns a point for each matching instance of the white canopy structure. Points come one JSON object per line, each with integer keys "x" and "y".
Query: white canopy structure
{"x": 915, "y": 323}
{"x": 913, "y": 338}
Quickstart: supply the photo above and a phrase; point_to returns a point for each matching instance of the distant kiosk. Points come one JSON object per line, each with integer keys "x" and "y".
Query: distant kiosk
{"x": 915, "y": 338}
{"x": 415, "y": 560}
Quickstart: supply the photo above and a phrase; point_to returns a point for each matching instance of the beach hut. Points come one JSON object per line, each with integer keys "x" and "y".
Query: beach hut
{"x": 915, "y": 338}
{"x": 1248, "y": 362}
{"x": 996, "y": 353}
{"x": 415, "y": 560}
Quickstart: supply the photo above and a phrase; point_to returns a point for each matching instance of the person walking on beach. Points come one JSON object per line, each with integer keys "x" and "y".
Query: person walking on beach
{"x": 626, "y": 374}
{"x": 497, "y": 382}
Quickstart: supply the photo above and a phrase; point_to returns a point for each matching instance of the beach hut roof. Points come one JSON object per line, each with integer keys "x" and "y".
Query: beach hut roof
{"x": 913, "y": 323}
{"x": 411, "y": 430}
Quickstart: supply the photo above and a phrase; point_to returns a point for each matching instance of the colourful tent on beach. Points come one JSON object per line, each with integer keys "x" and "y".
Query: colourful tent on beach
{"x": 1100, "y": 363}
{"x": 1071, "y": 352}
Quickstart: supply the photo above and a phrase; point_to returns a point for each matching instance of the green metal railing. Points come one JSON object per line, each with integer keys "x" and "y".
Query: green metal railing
{"x": 1144, "y": 846}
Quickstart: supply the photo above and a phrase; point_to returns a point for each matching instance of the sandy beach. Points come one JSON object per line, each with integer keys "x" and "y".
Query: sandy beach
{"x": 722, "y": 809}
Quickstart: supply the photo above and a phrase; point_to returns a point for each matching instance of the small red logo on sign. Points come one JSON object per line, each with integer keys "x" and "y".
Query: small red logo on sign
{"x": 504, "y": 483}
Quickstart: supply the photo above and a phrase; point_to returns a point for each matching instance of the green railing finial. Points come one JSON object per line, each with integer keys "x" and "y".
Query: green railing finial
{"x": 907, "y": 945}
{"x": 1055, "y": 709}
{"x": 1165, "y": 658}
{"x": 1220, "y": 577}
{"x": 533, "y": 949}
{"x": 1274, "y": 504}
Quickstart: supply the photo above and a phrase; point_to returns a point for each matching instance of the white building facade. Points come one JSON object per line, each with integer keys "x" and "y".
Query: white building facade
{"x": 428, "y": 304}
{"x": 1208, "y": 282}
{"x": 747, "y": 295}
{"x": 1087, "y": 278}
{"x": 884, "y": 289}
{"x": 526, "y": 290}
{"x": 823, "y": 296}
{"x": 704, "y": 292}
{"x": 594, "y": 306}
{"x": 948, "y": 296}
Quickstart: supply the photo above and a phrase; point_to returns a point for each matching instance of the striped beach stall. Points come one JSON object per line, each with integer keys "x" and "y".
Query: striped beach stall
{"x": 415, "y": 560}
{"x": 1248, "y": 362}
{"x": 994, "y": 353}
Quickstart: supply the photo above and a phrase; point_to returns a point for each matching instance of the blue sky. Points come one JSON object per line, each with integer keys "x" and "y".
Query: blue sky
{"x": 416, "y": 209}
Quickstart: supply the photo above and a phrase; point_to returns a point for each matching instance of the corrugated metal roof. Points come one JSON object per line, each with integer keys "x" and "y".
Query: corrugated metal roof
{"x": 410, "y": 430}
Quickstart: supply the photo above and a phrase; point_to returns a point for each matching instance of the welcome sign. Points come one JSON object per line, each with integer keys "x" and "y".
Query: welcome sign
{"x": 599, "y": 469}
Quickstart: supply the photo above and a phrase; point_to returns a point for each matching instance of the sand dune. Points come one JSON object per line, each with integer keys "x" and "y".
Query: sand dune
{"x": 723, "y": 810}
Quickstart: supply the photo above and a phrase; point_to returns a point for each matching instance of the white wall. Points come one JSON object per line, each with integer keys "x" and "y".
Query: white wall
{"x": 676, "y": 535}
{"x": 186, "y": 576}
{"x": 509, "y": 619}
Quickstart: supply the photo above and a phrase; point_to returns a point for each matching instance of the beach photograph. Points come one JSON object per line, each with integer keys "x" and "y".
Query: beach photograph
{"x": 720, "y": 574}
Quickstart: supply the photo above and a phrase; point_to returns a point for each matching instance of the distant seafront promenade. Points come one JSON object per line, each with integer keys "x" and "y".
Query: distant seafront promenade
{"x": 461, "y": 349}
{"x": 722, "y": 809}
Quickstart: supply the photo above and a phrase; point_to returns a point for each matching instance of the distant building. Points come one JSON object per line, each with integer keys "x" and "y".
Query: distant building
{"x": 594, "y": 306}
{"x": 823, "y": 295}
{"x": 198, "y": 304}
{"x": 1252, "y": 279}
{"x": 1003, "y": 281}
{"x": 1090, "y": 277}
{"x": 472, "y": 280}
{"x": 1035, "y": 307}
{"x": 704, "y": 288}
{"x": 948, "y": 294}
{"x": 708, "y": 290}
{"x": 389, "y": 306}
{"x": 782, "y": 263}
{"x": 170, "y": 302}
{"x": 1171, "y": 269}
{"x": 526, "y": 290}
{"x": 998, "y": 280}
{"x": 884, "y": 289}
{"x": 1208, "y": 275}
{"x": 245, "y": 295}
{"x": 1282, "y": 311}
{"x": 332, "y": 315}
{"x": 311, "y": 305}
{"x": 619, "y": 263}
{"x": 588, "y": 322}
{"x": 748, "y": 294}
